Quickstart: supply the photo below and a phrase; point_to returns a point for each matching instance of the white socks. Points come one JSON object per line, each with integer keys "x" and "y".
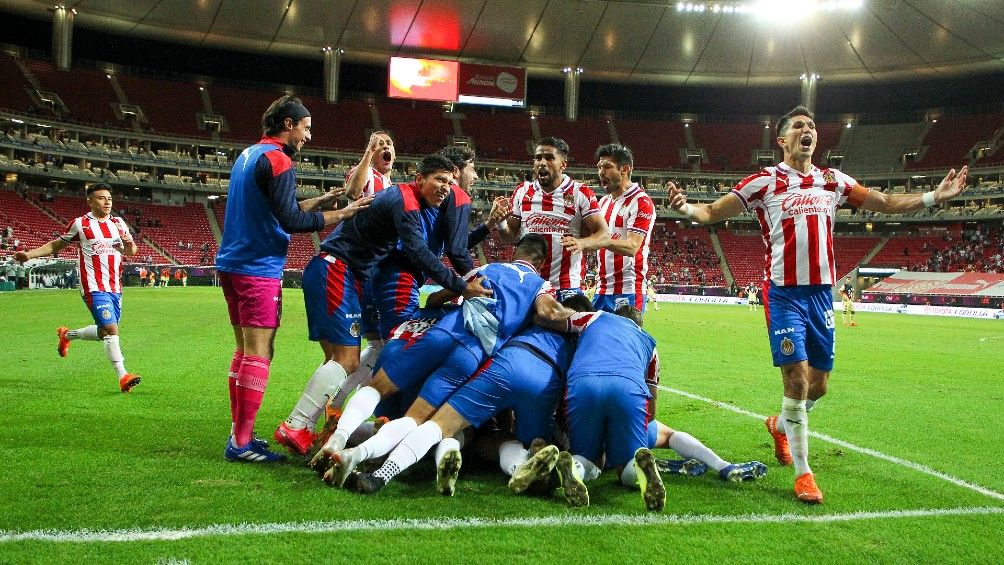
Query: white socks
{"x": 629, "y": 476}
{"x": 410, "y": 450}
{"x": 114, "y": 353}
{"x": 689, "y": 447}
{"x": 512, "y": 454}
{"x": 88, "y": 333}
{"x": 359, "y": 408}
{"x": 808, "y": 408}
{"x": 390, "y": 435}
{"x": 585, "y": 469}
{"x": 796, "y": 427}
{"x": 367, "y": 360}
{"x": 324, "y": 383}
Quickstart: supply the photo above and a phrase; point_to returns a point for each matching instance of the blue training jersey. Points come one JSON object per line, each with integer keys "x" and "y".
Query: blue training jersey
{"x": 554, "y": 347}
{"x": 262, "y": 212}
{"x": 612, "y": 345}
{"x": 445, "y": 232}
{"x": 397, "y": 218}
{"x": 515, "y": 287}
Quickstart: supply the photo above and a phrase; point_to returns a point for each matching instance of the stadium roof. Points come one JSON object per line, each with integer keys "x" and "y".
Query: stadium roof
{"x": 742, "y": 42}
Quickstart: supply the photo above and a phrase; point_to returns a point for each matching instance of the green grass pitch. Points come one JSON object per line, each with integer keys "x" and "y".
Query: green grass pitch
{"x": 77, "y": 455}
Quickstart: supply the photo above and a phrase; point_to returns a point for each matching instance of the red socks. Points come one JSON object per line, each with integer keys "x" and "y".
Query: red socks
{"x": 251, "y": 380}
{"x": 235, "y": 366}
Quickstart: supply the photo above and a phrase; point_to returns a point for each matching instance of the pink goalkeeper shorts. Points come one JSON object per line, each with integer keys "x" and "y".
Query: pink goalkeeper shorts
{"x": 253, "y": 302}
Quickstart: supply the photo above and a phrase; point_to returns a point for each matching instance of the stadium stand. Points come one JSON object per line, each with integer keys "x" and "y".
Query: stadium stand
{"x": 418, "y": 128}
{"x": 878, "y": 148}
{"x": 500, "y": 135}
{"x": 729, "y": 147}
{"x": 913, "y": 250}
{"x": 656, "y": 144}
{"x": 338, "y": 126}
{"x": 30, "y": 225}
{"x": 169, "y": 106}
{"x": 951, "y": 137}
{"x": 583, "y": 136}
{"x": 87, "y": 93}
{"x": 13, "y": 95}
{"x": 683, "y": 256}
{"x": 242, "y": 109}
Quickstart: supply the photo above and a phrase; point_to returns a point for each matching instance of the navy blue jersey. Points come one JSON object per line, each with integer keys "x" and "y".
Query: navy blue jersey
{"x": 446, "y": 233}
{"x": 262, "y": 212}
{"x": 398, "y": 217}
{"x": 515, "y": 287}
{"x": 554, "y": 347}
{"x": 612, "y": 345}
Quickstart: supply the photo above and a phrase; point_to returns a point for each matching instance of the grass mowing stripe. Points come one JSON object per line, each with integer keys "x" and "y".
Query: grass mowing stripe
{"x": 228, "y": 530}
{"x": 849, "y": 446}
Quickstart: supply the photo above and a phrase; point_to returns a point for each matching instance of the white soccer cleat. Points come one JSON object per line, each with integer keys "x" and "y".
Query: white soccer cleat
{"x": 342, "y": 464}
{"x": 447, "y": 472}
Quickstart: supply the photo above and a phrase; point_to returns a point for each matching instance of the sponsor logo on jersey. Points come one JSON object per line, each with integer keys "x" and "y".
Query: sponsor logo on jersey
{"x": 787, "y": 347}
{"x": 797, "y": 204}
{"x": 546, "y": 224}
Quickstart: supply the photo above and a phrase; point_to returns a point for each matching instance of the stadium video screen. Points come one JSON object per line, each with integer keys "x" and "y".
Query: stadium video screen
{"x": 423, "y": 79}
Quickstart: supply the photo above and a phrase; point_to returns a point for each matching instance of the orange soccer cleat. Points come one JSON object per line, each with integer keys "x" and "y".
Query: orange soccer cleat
{"x": 64, "y": 344}
{"x": 806, "y": 489}
{"x": 854, "y": 323}
{"x": 128, "y": 381}
{"x": 297, "y": 441}
{"x": 781, "y": 451}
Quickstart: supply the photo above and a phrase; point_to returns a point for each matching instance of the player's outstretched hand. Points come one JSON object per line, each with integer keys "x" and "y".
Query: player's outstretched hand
{"x": 21, "y": 257}
{"x": 332, "y": 195}
{"x": 676, "y": 198}
{"x": 500, "y": 210}
{"x": 356, "y": 206}
{"x": 475, "y": 289}
{"x": 572, "y": 244}
{"x": 951, "y": 185}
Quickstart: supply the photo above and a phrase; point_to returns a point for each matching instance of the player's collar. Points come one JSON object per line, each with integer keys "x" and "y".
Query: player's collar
{"x": 525, "y": 264}
{"x": 787, "y": 169}
{"x": 288, "y": 150}
{"x": 631, "y": 190}
{"x": 565, "y": 182}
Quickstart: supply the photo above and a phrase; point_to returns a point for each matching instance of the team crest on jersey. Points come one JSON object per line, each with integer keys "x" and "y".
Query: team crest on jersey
{"x": 354, "y": 329}
{"x": 787, "y": 347}
{"x": 569, "y": 200}
{"x": 829, "y": 177}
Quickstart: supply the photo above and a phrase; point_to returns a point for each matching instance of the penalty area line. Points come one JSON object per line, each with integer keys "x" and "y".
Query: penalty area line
{"x": 849, "y": 446}
{"x": 438, "y": 524}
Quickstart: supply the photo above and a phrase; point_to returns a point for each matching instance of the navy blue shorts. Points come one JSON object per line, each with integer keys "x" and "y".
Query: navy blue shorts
{"x": 331, "y": 296}
{"x": 105, "y": 307}
{"x": 611, "y": 302}
{"x": 435, "y": 361}
{"x": 800, "y": 324}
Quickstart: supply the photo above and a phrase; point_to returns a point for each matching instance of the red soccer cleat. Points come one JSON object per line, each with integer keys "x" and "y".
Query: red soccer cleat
{"x": 64, "y": 344}
{"x": 781, "y": 451}
{"x": 806, "y": 489}
{"x": 297, "y": 441}
{"x": 128, "y": 381}
{"x": 854, "y": 323}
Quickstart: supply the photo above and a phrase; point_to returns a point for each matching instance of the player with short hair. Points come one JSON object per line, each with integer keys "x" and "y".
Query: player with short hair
{"x": 402, "y": 219}
{"x": 261, "y": 213}
{"x": 560, "y": 209}
{"x": 752, "y": 296}
{"x": 653, "y": 295}
{"x": 796, "y": 203}
{"x": 630, "y": 215}
{"x": 847, "y": 297}
{"x": 102, "y": 239}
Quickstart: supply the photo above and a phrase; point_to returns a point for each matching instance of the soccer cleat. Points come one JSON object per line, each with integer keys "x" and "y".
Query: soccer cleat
{"x": 128, "y": 381}
{"x": 739, "y": 472}
{"x": 331, "y": 417}
{"x": 368, "y": 483}
{"x": 806, "y": 489}
{"x": 447, "y": 472}
{"x": 342, "y": 464}
{"x": 854, "y": 323}
{"x": 781, "y": 451}
{"x": 64, "y": 344}
{"x": 533, "y": 469}
{"x": 653, "y": 492}
{"x": 253, "y": 452}
{"x": 689, "y": 467}
{"x": 297, "y": 441}
{"x": 575, "y": 490}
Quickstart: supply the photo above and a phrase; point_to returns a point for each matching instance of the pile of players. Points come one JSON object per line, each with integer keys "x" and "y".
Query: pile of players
{"x": 523, "y": 339}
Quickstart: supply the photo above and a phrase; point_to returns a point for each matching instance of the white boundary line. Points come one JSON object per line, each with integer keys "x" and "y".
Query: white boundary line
{"x": 436, "y": 524}
{"x": 849, "y": 446}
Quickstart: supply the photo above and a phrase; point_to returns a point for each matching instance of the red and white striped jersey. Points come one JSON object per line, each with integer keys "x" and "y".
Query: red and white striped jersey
{"x": 375, "y": 181}
{"x": 555, "y": 214}
{"x": 100, "y": 263}
{"x": 632, "y": 211}
{"x": 797, "y": 214}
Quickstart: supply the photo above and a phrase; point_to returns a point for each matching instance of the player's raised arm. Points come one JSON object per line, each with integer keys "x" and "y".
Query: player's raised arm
{"x": 509, "y": 228}
{"x": 51, "y": 248}
{"x": 876, "y": 201}
{"x": 324, "y": 200}
{"x": 496, "y": 218}
{"x": 721, "y": 209}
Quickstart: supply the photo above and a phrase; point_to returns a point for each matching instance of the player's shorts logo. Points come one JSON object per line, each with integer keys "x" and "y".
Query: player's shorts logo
{"x": 787, "y": 347}
{"x": 106, "y": 314}
{"x": 354, "y": 329}
{"x": 621, "y": 301}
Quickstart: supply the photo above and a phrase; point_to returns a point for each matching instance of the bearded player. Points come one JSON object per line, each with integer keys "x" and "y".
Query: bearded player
{"x": 103, "y": 239}
{"x": 796, "y": 203}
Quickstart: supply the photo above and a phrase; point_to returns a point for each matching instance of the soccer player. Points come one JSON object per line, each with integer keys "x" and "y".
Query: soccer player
{"x": 393, "y": 292}
{"x": 653, "y": 295}
{"x": 796, "y": 205}
{"x": 443, "y": 359}
{"x": 847, "y": 297}
{"x": 610, "y": 400}
{"x": 103, "y": 239}
{"x": 630, "y": 215}
{"x": 565, "y": 212}
{"x": 402, "y": 217}
{"x": 752, "y": 296}
{"x": 261, "y": 213}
